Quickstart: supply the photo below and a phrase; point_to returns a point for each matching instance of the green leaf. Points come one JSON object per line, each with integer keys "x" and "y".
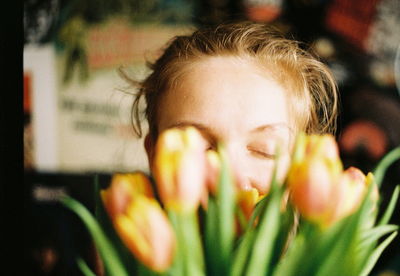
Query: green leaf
{"x": 211, "y": 239}
{"x": 292, "y": 262}
{"x": 370, "y": 236}
{"x": 242, "y": 253}
{"x": 389, "y": 210}
{"x": 376, "y": 254}
{"x": 178, "y": 267}
{"x": 340, "y": 257}
{"x": 310, "y": 241}
{"x": 84, "y": 267}
{"x": 266, "y": 233}
{"x": 193, "y": 245}
{"x": 225, "y": 213}
{"x": 189, "y": 258}
{"x": 286, "y": 234}
{"x": 384, "y": 164}
{"x": 107, "y": 251}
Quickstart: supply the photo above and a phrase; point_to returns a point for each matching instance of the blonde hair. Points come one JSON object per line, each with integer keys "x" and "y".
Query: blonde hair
{"x": 310, "y": 84}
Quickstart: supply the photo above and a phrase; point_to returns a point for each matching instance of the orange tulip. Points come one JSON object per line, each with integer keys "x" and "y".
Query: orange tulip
{"x": 146, "y": 231}
{"x": 179, "y": 168}
{"x": 315, "y": 170}
{"x": 319, "y": 188}
{"x": 139, "y": 220}
{"x": 123, "y": 188}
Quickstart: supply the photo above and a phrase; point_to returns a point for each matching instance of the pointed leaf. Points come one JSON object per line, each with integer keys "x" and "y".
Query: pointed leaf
{"x": 370, "y": 236}
{"x": 376, "y": 254}
{"x": 242, "y": 253}
{"x": 84, "y": 267}
{"x": 389, "y": 210}
{"x": 107, "y": 251}
{"x": 385, "y": 163}
{"x": 226, "y": 213}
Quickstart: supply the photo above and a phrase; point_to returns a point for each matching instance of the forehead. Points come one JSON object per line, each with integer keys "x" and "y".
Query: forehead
{"x": 224, "y": 93}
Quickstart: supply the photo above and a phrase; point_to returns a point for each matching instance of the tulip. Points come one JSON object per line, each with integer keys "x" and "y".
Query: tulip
{"x": 352, "y": 189}
{"x": 123, "y": 188}
{"x": 139, "y": 220}
{"x": 180, "y": 168}
{"x": 247, "y": 200}
{"x": 319, "y": 188}
{"x": 145, "y": 230}
{"x": 213, "y": 166}
{"x": 313, "y": 176}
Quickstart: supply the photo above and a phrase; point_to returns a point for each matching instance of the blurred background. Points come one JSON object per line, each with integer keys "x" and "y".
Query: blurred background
{"x": 77, "y": 123}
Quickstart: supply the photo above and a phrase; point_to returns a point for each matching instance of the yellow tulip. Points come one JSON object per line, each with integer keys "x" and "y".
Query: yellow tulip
{"x": 247, "y": 200}
{"x": 146, "y": 231}
{"x": 122, "y": 190}
{"x": 180, "y": 168}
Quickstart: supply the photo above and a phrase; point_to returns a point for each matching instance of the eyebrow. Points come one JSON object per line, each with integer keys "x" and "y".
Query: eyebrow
{"x": 208, "y": 131}
{"x": 205, "y": 131}
{"x": 199, "y": 126}
{"x": 274, "y": 126}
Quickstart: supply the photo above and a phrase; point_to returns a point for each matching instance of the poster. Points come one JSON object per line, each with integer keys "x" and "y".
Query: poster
{"x": 84, "y": 124}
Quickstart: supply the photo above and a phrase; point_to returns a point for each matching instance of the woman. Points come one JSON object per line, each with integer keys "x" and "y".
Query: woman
{"x": 242, "y": 84}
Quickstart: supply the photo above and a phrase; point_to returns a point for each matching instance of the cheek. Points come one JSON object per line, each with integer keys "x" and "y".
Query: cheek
{"x": 260, "y": 175}
{"x": 261, "y": 172}
{"x": 283, "y": 167}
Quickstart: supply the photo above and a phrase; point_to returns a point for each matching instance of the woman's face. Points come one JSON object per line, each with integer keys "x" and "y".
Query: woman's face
{"x": 231, "y": 101}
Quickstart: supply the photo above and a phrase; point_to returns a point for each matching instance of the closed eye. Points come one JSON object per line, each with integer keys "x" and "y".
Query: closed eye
{"x": 262, "y": 154}
{"x": 211, "y": 146}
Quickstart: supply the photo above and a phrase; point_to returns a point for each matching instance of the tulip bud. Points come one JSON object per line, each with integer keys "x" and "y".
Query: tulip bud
{"x": 145, "y": 230}
{"x": 319, "y": 188}
{"x": 352, "y": 189}
{"x": 122, "y": 190}
{"x": 315, "y": 146}
{"x": 247, "y": 200}
{"x": 179, "y": 168}
{"x": 213, "y": 169}
{"x": 353, "y": 184}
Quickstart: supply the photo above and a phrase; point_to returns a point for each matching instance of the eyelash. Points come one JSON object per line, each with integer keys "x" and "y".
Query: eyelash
{"x": 211, "y": 146}
{"x": 262, "y": 154}
{"x": 258, "y": 153}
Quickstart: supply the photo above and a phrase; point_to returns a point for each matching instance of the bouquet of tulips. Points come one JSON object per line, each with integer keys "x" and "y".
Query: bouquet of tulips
{"x": 190, "y": 219}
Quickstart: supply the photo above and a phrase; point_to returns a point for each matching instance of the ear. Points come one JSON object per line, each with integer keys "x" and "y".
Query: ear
{"x": 149, "y": 146}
